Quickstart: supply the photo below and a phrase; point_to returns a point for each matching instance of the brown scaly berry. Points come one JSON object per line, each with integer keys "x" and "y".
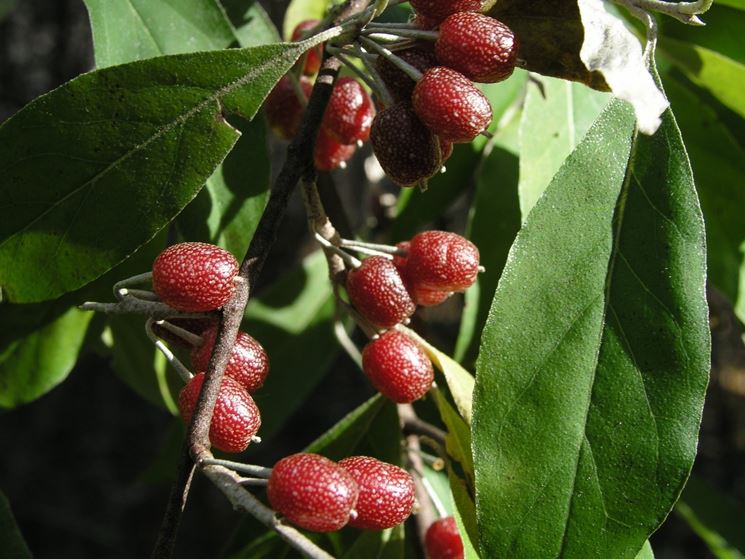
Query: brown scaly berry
{"x": 283, "y": 109}
{"x": 406, "y": 149}
{"x": 314, "y": 55}
{"x": 400, "y": 85}
{"x": 442, "y": 540}
{"x": 194, "y": 277}
{"x": 397, "y": 367}
{"x": 248, "y": 364}
{"x": 421, "y": 295}
{"x": 442, "y": 261}
{"x": 386, "y": 492}
{"x": 440, "y": 9}
{"x": 312, "y": 492}
{"x": 449, "y": 104}
{"x": 480, "y": 47}
{"x": 328, "y": 153}
{"x": 236, "y": 418}
{"x": 378, "y": 292}
{"x": 350, "y": 112}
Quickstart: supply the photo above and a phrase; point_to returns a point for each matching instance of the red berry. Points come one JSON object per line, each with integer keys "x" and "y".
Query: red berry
{"x": 397, "y": 367}
{"x": 312, "y": 492}
{"x": 236, "y": 418}
{"x": 440, "y": 9}
{"x": 406, "y": 149}
{"x": 442, "y": 261}
{"x": 350, "y": 112}
{"x": 314, "y": 55}
{"x": 442, "y": 540}
{"x": 378, "y": 292}
{"x": 194, "y": 277}
{"x": 398, "y": 82}
{"x": 283, "y": 109}
{"x": 480, "y": 47}
{"x": 450, "y": 105}
{"x": 421, "y": 295}
{"x": 328, "y": 153}
{"x": 386, "y": 493}
{"x": 248, "y": 364}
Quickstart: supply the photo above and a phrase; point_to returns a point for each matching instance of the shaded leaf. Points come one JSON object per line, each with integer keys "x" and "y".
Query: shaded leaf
{"x": 595, "y": 356}
{"x": 114, "y": 172}
{"x": 646, "y": 552}
{"x": 14, "y": 546}
{"x": 253, "y": 26}
{"x": 458, "y": 438}
{"x": 555, "y": 118}
{"x": 127, "y": 30}
{"x": 465, "y": 514}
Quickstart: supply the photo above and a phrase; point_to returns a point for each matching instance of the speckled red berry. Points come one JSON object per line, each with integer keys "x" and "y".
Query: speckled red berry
{"x": 283, "y": 109}
{"x": 440, "y": 9}
{"x": 398, "y": 82}
{"x": 480, "y": 47}
{"x": 236, "y": 418}
{"x": 314, "y": 55}
{"x": 406, "y": 149}
{"x": 378, "y": 292}
{"x": 421, "y": 295}
{"x": 386, "y": 492}
{"x": 194, "y": 277}
{"x": 397, "y": 367}
{"x": 248, "y": 364}
{"x": 328, "y": 153}
{"x": 312, "y": 492}
{"x": 449, "y": 104}
{"x": 350, "y": 112}
{"x": 442, "y": 540}
{"x": 442, "y": 261}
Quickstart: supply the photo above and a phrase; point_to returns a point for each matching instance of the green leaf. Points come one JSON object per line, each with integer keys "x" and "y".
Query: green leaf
{"x": 715, "y": 517}
{"x": 465, "y": 514}
{"x": 458, "y": 438}
{"x": 493, "y": 223}
{"x": 555, "y": 118}
{"x": 595, "y": 356}
{"x": 128, "y": 146}
{"x": 126, "y": 30}
{"x": 34, "y": 364}
{"x": 739, "y": 4}
{"x": 301, "y": 10}
{"x": 646, "y": 551}
{"x": 14, "y": 546}
{"x": 720, "y": 75}
{"x": 292, "y": 319}
{"x": 720, "y": 180}
{"x": 550, "y": 34}
{"x": 6, "y": 6}
{"x": 228, "y": 209}
{"x": 378, "y": 544}
{"x": 253, "y": 26}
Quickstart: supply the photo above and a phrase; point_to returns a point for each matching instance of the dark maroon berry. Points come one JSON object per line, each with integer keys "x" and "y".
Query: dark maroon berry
{"x": 378, "y": 293}
{"x": 438, "y": 10}
{"x": 398, "y": 82}
{"x": 283, "y": 109}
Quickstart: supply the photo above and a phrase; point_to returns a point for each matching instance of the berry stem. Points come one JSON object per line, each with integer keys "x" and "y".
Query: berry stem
{"x": 348, "y": 259}
{"x": 342, "y": 336}
{"x": 133, "y": 305}
{"x": 255, "y": 471}
{"x": 385, "y": 95}
{"x": 408, "y": 33}
{"x": 143, "y": 294}
{"x": 371, "y": 83}
{"x": 381, "y": 249}
{"x": 189, "y": 337}
{"x": 402, "y": 65}
{"x": 183, "y": 372}
{"x": 134, "y": 280}
{"x": 253, "y": 482}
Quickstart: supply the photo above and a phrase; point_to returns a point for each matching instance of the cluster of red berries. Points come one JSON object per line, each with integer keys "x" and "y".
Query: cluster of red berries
{"x": 347, "y": 119}
{"x": 320, "y": 495}
{"x": 424, "y": 271}
{"x": 199, "y": 277}
{"x": 414, "y": 136}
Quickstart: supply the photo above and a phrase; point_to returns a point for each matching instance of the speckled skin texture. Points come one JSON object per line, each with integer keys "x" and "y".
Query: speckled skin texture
{"x": 236, "y": 418}
{"x": 312, "y": 492}
{"x": 440, "y": 9}
{"x": 480, "y": 47}
{"x": 399, "y": 84}
{"x": 397, "y": 367}
{"x": 350, "y": 112}
{"x": 194, "y": 277}
{"x": 442, "y": 540}
{"x": 442, "y": 261}
{"x": 406, "y": 149}
{"x": 378, "y": 292}
{"x": 328, "y": 153}
{"x": 386, "y": 492}
{"x": 449, "y": 104}
{"x": 283, "y": 109}
{"x": 249, "y": 363}
{"x": 314, "y": 56}
{"x": 422, "y": 296}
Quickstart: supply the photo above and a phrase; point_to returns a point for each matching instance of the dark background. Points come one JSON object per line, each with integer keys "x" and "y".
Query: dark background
{"x": 87, "y": 467}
